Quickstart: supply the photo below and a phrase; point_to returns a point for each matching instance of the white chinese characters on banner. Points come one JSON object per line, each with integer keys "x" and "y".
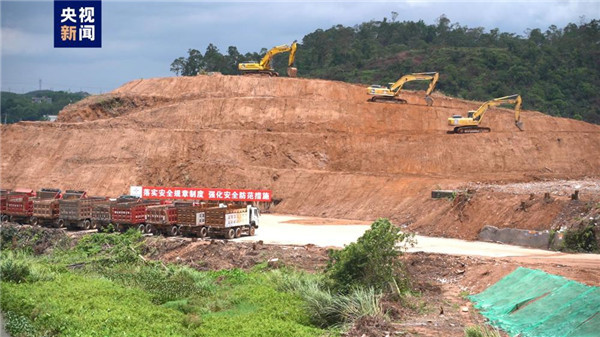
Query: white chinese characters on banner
{"x": 154, "y": 192}
{"x": 68, "y": 14}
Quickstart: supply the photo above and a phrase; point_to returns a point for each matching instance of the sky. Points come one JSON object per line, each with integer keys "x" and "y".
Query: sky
{"x": 140, "y": 39}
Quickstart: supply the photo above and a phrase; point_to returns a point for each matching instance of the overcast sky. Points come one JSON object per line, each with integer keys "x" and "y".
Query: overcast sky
{"x": 140, "y": 39}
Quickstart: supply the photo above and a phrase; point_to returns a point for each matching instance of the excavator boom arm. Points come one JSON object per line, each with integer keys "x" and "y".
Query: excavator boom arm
{"x": 266, "y": 60}
{"x": 292, "y": 57}
{"x": 397, "y": 87}
{"x": 512, "y": 99}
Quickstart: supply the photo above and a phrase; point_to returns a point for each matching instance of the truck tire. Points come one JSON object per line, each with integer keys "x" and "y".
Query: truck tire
{"x": 252, "y": 231}
{"x": 203, "y": 232}
{"x": 4, "y": 218}
{"x": 174, "y": 231}
{"x": 34, "y": 221}
{"x": 238, "y": 232}
{"x": 142, "y": 228}
{"x": 120, "y": 228}
{"x": 60, "y": 223}
{"x": 86, "y": 224}
{"x": 149, "y": 229}
{"x": 230, "y": 234}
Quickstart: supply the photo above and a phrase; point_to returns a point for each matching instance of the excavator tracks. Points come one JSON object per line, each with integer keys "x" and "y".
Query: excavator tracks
{"x": 387, "y": 100}
{"x": 469, "y": 129}
{"x": 260, "y": 73}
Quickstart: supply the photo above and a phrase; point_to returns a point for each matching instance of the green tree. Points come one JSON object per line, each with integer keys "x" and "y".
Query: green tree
{"x": 371, "y": 261}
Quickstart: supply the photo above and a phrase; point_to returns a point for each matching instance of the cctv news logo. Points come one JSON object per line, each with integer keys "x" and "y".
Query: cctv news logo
{"x": 77, "y": 24}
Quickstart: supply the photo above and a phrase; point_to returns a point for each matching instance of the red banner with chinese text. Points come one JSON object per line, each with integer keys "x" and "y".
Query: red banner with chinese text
{"x": 216, "y": 194}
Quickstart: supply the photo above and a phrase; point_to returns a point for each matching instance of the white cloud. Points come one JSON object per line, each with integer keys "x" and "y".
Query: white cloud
{"x": 18, "y": 42}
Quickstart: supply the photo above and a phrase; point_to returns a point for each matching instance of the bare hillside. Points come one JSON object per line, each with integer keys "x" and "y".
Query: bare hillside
{"x": 317, "y": 144}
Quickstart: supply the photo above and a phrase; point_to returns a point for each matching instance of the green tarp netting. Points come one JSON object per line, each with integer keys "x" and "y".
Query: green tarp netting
{"x": 530, "y": 302}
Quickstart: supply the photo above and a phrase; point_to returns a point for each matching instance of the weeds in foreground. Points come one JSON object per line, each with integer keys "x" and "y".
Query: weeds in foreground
{"x": 327, "y": 308}
{"x": 481, "y": 331}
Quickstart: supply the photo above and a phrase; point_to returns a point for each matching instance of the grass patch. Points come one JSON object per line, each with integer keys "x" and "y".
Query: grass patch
{"x": 101, "y": 287}
{"x": 481, "y": 331}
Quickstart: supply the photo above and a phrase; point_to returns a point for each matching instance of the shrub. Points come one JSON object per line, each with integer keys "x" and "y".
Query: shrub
{"x": 14, "y": 271}
{"x": 371, "y": 261}
{"x": 581, "y": 240}
{"x": 119, "y": 248}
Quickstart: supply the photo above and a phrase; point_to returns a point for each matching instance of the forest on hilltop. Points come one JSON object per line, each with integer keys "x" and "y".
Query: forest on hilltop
{"x": 35, "y": 105}
{"x": 556, "y": 70}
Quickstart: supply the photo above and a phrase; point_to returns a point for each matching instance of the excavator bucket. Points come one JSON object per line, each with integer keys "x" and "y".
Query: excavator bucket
{"x": 519, "y": 124}
{"x": 429, "y": 100}
{"x": 292, "y": 71}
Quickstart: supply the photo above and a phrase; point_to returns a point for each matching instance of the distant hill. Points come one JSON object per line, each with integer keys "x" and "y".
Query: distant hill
{"x": 34, "y": 105}
{"x": 556, "y": 71}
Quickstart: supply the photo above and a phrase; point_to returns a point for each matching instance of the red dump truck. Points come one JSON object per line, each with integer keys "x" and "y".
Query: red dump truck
{"x": 77, "y": 213}
{"x": 131, "y": 214}
{"x": 232, "y": 221}
{"x": 19, "y": 205}
{"x": 161, "y": 219}
{"x": 45, "y": 207}
{"x": 3, "y": 196}
{"x": 102, "y": 211}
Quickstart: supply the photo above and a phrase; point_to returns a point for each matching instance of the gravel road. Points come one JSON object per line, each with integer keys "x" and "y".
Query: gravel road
{"x": 282, "y": 229}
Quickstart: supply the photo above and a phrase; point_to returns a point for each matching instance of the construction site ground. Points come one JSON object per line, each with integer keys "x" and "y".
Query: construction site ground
{"x": 327, "y": 154}
{"x": 441, "y": 282}
{"x": 319, "y": 146}
{"x": 442, "y": 273}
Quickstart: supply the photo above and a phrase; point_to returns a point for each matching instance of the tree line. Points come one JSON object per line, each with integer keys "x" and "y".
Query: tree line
{"x": 555, "y": 70}
{"x": 35, "y": 105}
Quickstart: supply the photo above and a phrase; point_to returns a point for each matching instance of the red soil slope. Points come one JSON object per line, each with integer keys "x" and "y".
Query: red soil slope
{"x": 320, "y": 147}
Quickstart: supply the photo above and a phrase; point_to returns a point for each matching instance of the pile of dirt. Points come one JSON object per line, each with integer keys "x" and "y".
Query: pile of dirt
{"x": 222, "y": 254}
{"x": 319, "y": 145}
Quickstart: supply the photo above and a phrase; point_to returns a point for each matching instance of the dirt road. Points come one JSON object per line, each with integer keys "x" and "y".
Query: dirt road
{"x": 294, "y": 230}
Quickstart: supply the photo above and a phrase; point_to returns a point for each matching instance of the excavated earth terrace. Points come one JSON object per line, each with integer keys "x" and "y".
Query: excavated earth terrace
{"x": 319, "y": 145}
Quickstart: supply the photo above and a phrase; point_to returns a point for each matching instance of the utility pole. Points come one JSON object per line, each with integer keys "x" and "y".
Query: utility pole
{"x": 40, "y": 84}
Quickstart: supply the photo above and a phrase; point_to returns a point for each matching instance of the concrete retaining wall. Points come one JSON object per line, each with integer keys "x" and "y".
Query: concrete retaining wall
{"x": 519, "y": 237}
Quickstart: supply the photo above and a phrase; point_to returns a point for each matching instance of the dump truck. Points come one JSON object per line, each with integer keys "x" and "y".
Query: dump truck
{"x": 19, "y": 205}
{"x": 77, "y": 213}
{"x": 232, "y": 221}
{"x": 161, "y": 219}
{"x": 101, "y": 215}
{"x": 102, "y": 211}
{"x": 3, "y": 196}
{"x": 45, "y": 207}
{"x": 131, "y": 214}
{"x": 192, "y": 219}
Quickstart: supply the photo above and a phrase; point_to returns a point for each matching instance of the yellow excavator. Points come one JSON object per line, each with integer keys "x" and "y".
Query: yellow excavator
{"x": 264, "y": 66}
{"x": 470, "y": 124}
{"x": 390, "y": 93}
